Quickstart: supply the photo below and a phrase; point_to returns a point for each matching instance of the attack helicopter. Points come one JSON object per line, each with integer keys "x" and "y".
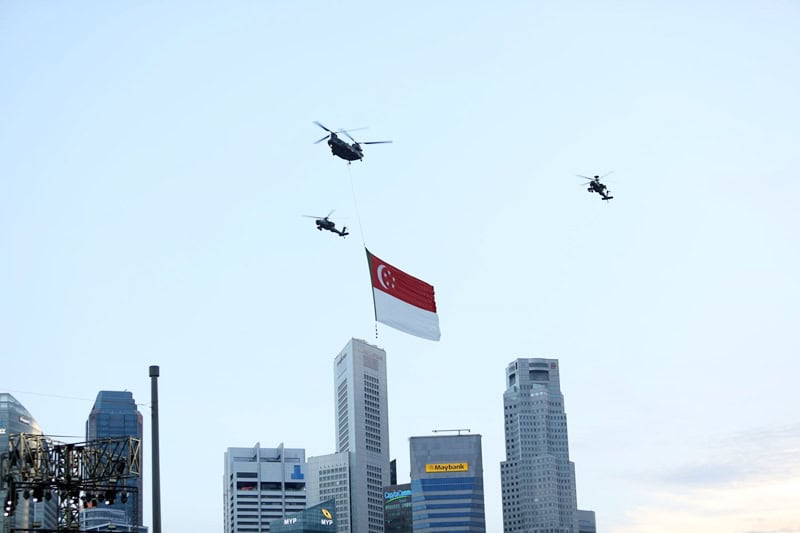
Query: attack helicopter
{"x": 340, "y": 148}
{"x": 594, "y": 185}
{"x": 324, "y": 223}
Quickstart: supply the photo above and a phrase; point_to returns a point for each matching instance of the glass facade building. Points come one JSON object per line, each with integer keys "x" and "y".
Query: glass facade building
{"x": 14, "y": 420}
{"x": 115, "y": 415}
{"x": 107, "y": 519}
{"x": 447, "y": 483}
{"x": 320, "y": 518}
{"x": 397, "y": 509}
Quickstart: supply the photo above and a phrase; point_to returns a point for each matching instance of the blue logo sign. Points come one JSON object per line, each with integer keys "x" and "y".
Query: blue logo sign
{"x": 297, "y": 474}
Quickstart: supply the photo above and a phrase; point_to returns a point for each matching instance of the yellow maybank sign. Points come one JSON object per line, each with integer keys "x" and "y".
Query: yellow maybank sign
{"x": 447, "y": 467}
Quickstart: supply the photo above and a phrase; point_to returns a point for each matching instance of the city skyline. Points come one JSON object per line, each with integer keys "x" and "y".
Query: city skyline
{"x": 156, "y": 160}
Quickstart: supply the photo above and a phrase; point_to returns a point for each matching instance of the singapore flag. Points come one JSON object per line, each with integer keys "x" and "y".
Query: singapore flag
{"x": 403, "y": 301}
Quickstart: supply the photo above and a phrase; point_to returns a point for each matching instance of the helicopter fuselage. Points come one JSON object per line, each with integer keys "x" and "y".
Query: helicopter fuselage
{"x": 347, "y": 151}
{"x": 599, "y": 188}
{"x": 329, "y": 225}
{"x": 325, "y": 224}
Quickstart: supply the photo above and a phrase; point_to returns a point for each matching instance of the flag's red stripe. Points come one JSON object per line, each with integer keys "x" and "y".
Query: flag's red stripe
{"x": 403, "y": 286}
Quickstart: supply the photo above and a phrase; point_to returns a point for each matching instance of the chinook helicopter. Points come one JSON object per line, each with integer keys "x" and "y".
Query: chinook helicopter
{"x": 324, "y": 223}
{"x": 594, "y": 185}
{"x": 340, "y": 148}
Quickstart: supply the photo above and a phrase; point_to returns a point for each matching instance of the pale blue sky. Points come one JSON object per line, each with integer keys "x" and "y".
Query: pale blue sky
{"x": 155, "y": 158}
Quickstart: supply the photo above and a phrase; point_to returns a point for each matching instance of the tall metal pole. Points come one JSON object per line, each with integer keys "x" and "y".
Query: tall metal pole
{"x": 156, "y": 467}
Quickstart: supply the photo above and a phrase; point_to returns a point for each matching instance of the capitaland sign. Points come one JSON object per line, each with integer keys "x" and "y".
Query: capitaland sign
{"x": 446, "y": 467}
{"x": 396, "y": 495}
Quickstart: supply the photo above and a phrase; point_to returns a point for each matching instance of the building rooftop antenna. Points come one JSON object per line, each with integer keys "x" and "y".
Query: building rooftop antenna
{"x": 451, "y": 430}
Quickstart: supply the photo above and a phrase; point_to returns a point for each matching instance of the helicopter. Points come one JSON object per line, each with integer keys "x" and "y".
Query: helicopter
{"x": 348, "y": 151}
{"x": 324, "y": 223}
{"x": 595, "y": 186}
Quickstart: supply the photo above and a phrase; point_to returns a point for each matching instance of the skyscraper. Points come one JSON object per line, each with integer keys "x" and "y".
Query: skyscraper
{"x": 447, "y": 483}
{"x": 261, "y": 485}
{"x": 115, "y": 415}
{"x": 362, "y": 428}
{"x": 537, "y": 478}
{"x": 15, "y": 419}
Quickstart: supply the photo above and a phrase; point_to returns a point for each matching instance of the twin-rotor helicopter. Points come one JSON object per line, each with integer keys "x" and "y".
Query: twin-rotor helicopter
{"x": 349, "y": 151}
{"x": 340, "y": 148}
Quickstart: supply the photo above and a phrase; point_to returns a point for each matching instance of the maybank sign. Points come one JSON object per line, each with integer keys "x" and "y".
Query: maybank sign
{"x": 446, "y": 467}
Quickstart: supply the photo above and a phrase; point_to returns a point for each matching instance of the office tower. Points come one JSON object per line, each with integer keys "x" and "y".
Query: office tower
{"x": 362, "y": 428}
{"x": 537, "y": 478}
{"x": 115, "y": 415}
{"x": 586, "y": 522}
{"x": 397, "y": 508}
{"x": 320, "y": 518}
{"x": 261, "y": 485}
{"x": 328, "y": 478}
{"x": 15, "y": 419}
{"x": 447, "y": 483}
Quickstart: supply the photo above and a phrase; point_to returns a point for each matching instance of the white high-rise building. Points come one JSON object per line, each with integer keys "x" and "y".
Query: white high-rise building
{"x": 537, "y": 478}
{"x": 362, "y": 428}
{"x": 261, "y": 485}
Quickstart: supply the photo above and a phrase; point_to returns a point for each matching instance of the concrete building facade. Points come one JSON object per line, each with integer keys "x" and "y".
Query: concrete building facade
{"x": 362, "y": 429}
{"x": 329, "y": 479}
{"x": 537, "y": 478}
{"x": 261, "y": 485}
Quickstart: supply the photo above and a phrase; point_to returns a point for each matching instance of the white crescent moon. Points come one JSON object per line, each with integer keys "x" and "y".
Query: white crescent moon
{"x": 380, "y": 276}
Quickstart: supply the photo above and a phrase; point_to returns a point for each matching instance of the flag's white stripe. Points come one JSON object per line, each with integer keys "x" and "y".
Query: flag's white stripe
{"x": 409, "y": 318}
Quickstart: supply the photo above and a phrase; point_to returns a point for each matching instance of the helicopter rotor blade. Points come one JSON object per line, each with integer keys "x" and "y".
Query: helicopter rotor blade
{"x": 319, "y": 141}
{"x": 323, "y": 127}
{"x": 584, "y": 177}
{"x": 377, "y": 142}
{"x": 606, "y": 174}
{"x": 329, "y": 214}
{"x": 348, "y": 135}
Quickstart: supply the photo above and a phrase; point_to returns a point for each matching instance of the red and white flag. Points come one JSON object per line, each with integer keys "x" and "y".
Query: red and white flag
{"x": 403, "y": 301}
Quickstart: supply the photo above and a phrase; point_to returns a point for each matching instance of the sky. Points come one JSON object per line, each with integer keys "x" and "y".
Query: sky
{"x": 156, "y": 159}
